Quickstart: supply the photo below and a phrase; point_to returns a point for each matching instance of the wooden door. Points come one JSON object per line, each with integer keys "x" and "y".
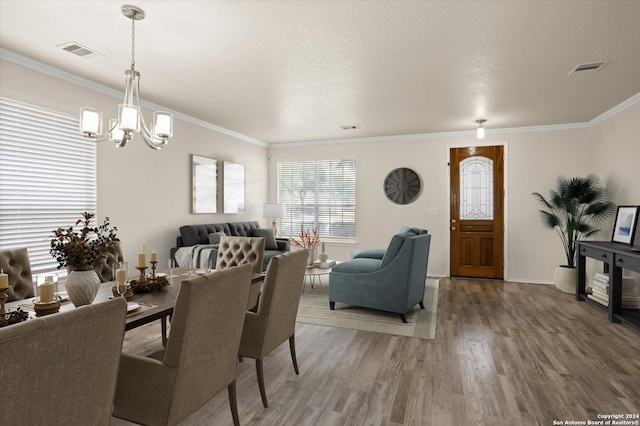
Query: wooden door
{"x": 476, "y": 212}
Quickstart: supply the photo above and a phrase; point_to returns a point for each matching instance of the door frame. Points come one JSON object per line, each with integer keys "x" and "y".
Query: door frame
{"x": 505, "y": 204}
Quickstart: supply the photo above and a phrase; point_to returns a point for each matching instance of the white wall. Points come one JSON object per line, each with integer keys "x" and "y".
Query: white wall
{"x": 615, "y": 158}
{"x": 533, "y": 160}
{"x": 145, "y": 193}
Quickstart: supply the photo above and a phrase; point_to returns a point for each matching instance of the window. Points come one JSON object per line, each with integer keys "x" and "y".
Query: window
{"x": 318, "y": 194}
{"x": 476, "y": 188}
{"x": 47, "y": 178}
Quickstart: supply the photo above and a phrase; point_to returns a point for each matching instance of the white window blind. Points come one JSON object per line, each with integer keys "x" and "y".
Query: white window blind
{"x": 47, "y": 178}
{"x": 318, "y": 194}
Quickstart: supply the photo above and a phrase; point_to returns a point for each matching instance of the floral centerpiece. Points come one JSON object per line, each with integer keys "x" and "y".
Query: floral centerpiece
{"x": 308, "y": 239}
{"x": 82, "y": 250}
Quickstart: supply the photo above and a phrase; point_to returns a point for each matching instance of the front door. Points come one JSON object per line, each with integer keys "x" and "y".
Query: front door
{"x": 476, "y": 212}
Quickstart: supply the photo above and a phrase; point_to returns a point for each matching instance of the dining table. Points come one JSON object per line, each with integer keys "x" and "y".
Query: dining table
{"x": 152, "y": 305}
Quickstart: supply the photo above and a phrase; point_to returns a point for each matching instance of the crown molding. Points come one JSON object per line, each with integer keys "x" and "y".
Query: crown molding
{"x": 9, "y": 56}
{"x": 432, "y": 135}
{"x": 615, "y": 110}
{"x": 23, "y": 61}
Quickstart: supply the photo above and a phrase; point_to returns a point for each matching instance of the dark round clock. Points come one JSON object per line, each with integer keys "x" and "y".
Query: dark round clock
{"x": 402, "y": 185}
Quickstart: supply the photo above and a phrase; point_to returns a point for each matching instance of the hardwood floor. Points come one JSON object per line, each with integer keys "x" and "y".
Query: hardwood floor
{"x": 504, "y": 354}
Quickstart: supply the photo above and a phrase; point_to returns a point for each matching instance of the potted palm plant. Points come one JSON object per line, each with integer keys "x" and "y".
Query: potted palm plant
{"x": 572, "y": 209}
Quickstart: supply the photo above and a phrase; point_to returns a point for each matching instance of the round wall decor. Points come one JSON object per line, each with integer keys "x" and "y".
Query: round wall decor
{"x": 402, "y": 185}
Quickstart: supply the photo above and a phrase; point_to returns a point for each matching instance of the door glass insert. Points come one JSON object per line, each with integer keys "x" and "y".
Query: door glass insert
{"x": 476, "y": 188}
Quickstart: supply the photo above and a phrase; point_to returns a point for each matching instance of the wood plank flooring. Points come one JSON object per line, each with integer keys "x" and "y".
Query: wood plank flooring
{"x": 504, "y": 354}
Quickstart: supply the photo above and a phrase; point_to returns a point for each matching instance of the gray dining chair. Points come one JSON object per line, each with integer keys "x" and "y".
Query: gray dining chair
{"x": 61, "y": 369}
{"x": 234, "y": 251}
{"x": 15, "y": 263}
{"x": 201, "y": 354}
{"x": 274, "y": 322}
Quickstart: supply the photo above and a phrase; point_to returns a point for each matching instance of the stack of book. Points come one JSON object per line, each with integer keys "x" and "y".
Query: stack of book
{"x": 324, "y": 265}
{"x": 600, "y": 291}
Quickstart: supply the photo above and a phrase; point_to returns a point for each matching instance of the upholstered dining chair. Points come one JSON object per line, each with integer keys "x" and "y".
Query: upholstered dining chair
{"x": 15, "y": 263}
{"x": 105, "y": 267}
{"x": 275, "y": 320}
{"x": 61, "y": 369}
{"x": 201, "y": 354}
{"x": 234, "y": 251}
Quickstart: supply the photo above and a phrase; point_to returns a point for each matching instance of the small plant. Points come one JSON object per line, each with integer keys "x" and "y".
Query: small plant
{"x": 82, "y": 250}
{"x": 307, "y": 239}
{"x": 572, "y": 208}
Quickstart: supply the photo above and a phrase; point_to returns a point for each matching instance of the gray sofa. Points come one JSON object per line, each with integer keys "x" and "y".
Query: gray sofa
{"x": 195, "y": 236}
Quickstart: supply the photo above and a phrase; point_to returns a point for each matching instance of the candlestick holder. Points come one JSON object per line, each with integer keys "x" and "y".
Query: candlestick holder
{"x": 3, "y": 298}
{"x": 153, "y": 268}
{"x": 143, "y": 277}
{"x": 150, "y": 283}
{"x": 46, "y": 308}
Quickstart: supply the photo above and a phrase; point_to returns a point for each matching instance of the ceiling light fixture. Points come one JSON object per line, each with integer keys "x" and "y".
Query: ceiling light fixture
{"x": 130, "y": 119}
{"x": 480, "y": 132}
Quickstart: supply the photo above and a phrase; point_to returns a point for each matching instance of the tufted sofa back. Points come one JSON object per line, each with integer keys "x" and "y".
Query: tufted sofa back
{"x": 190, "y": 235}
{"x": 15, "y": 263}
{"x": 234, "y": 251}
{"x": 104, "y": 268}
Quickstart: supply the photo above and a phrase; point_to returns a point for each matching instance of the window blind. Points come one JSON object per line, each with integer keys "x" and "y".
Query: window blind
{"x": 47, "y": 178}
{"x": 318, "y": 194}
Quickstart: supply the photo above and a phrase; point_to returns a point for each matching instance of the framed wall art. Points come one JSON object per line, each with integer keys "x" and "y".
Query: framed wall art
{"x": 624, "y": 228}
{"x": 233, "y": 187}
{"x": 204, "y": 178}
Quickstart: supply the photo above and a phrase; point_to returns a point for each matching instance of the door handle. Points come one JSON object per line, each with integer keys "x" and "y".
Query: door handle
{"x": 453, "y": 228}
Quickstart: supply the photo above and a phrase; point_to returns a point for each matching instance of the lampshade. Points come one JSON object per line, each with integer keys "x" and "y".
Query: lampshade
{"x": 273, "y": 210}
{"x": 480, "y": 131}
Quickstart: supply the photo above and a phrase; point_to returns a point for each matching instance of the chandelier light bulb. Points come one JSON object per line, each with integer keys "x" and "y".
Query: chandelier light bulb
{"x": 480, "y": 132}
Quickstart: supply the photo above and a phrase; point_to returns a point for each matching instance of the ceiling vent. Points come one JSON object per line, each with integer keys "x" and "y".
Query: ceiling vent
{"x": 80, "y": 50}
{"x": 590, "y": 66}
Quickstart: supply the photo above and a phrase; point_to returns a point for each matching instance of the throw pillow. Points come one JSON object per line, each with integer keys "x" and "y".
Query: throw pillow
{"x": 214, "y": 237}
{"x": 269, "y": 237}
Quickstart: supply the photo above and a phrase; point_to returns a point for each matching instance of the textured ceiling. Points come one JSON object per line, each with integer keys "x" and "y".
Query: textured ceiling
{"x": 282, "y": 71}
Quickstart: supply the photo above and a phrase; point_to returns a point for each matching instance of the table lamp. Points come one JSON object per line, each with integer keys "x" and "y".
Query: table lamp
{"x": 274, "y": 211}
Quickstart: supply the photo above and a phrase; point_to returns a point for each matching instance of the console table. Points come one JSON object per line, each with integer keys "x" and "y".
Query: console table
{"x": 615, "y": 257}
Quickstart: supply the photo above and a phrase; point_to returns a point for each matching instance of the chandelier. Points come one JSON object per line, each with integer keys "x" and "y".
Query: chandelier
{"x": 130, "y": 119}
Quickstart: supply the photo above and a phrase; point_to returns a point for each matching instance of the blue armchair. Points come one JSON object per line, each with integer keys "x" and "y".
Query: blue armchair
{"x": 393, "y": 282}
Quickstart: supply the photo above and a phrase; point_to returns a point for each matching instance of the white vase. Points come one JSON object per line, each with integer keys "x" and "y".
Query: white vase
{"x": 312, "y": 257}
{"x": 323, "y": 256}
{"x": 565, "y": 279}
{"x": 82, "y": 287}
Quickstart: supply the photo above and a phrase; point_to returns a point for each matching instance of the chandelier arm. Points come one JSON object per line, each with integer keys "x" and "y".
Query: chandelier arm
{"x": 154, "y": 143}
{"x": 102, "y": 136}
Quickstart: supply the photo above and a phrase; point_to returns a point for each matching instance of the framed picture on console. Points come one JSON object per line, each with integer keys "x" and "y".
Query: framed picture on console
{"x": 624, "y": 229}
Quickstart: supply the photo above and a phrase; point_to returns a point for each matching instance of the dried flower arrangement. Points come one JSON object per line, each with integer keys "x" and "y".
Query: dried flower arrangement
{"x": 307, "y": 239}
{"x": 14, "y": 317}
{"x": 82, "y": 250}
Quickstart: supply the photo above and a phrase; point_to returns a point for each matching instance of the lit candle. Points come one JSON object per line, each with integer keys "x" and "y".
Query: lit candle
{"x": 142, "y": 256}
{"x": 46, "y": 292}
{"x": 121, "y": 275}
{"x": 4, "y": 280}
{"x": 154, "y": 256}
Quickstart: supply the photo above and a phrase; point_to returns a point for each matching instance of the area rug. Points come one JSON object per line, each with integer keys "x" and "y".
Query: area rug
{"x": 314, "y": 309}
